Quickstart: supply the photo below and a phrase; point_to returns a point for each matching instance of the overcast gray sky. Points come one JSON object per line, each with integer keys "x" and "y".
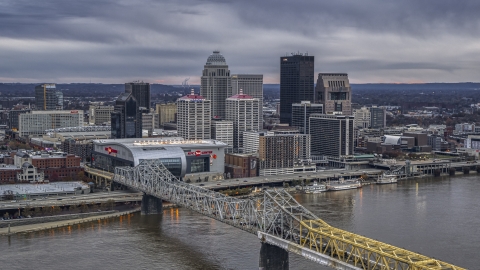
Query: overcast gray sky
{"x": 166, "y": 41}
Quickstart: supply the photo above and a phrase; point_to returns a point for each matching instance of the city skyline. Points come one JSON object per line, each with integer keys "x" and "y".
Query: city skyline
{"x": 372, "y": 41}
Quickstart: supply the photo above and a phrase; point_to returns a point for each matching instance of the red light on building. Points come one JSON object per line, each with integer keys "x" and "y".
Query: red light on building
{"x": 110, "y": 150}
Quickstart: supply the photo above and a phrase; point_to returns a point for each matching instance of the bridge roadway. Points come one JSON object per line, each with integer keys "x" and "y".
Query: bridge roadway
{"x": 117, "y": 196}
{"x": 279, "y": 221}
{"x": 288, "y": 178}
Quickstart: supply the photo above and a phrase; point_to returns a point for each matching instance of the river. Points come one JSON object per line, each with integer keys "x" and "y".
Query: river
{"x": 437, "y": 217}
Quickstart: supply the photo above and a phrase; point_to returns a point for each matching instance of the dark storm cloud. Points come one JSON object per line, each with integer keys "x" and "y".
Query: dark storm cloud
{"x": 165, "y": 40}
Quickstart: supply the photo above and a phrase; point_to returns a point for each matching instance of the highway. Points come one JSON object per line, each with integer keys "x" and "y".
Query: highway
{"x": 117, "y": 196}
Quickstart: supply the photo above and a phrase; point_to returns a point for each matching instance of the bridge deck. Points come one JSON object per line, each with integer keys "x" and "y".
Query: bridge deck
{"x": 276, "y": 213}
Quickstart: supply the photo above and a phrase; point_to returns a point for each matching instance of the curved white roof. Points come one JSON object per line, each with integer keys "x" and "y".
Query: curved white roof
{"x": 394, "y": 140}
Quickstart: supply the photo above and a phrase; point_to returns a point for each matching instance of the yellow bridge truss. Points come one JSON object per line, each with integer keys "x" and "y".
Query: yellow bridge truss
{"x": 361, "y": 251}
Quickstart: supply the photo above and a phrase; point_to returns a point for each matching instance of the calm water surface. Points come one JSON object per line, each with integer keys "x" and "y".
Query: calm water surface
{"x": 438, "y": 217}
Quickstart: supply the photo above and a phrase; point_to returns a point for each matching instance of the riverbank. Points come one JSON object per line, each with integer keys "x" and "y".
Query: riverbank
{"x": 61, "y": 223}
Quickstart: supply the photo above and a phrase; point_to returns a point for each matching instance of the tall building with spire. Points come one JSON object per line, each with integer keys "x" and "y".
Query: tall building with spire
{"x": 296, "y": 83}
{"x": 194, "y": 117}
{"x": 242, "y": 110}
{"x": 216, "y": 84}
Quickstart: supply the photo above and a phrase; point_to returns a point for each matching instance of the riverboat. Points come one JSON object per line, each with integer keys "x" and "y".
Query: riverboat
{"x": 315, "y": 188}
{"x": 387, "y": 179}
{"x": 343, "y": 184}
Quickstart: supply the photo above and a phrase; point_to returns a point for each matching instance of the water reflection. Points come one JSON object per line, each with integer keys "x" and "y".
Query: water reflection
{"x": 412, "y": 214}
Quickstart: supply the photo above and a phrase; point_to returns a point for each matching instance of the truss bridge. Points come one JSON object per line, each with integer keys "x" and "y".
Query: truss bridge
{"x": 278, "y": 220}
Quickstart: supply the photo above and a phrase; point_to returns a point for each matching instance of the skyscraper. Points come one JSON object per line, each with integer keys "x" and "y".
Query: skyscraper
{"x": 301, "y": 113}
{"x": 194, "y": 117}
{"x": 166, "y": 113}
{"x": 332, "y": 135}
{"x": 296, "y": 83}
{"x": 216, "y": 83}
{"x": 47, "y": 97}
{"x": 334, "y": 92}
{"x": 378, "y": 117}
{"x": 242, "y": 110}
{"x": 126, "y": 119}
{"x": 252, "y": 85}
{"x": 141, "y": 92}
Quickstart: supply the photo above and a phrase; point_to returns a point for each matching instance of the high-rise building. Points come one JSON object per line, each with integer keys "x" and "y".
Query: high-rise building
{"x": 47, "y": 97}
{"x": 284, "y": 154}
{"x": 141, "y": 92}
{"x": 13, "y": 117}
{"x": 216, "y": 84}
{"x": 296, "y": 83}
{"x": 250, "y": 141}
{"x": 222, "y": 130}
{"x": 334, "y": 92}
{"x": 332, "y": 135}
{"x": 242, "y": 110}
{"x": 252, "y": 85}
{"x": 378, "y": 117}
{"x": 194, "y": 117}
{"x": 99, "y": 114}
{"x": 301, "y": 113}
{"x": 37, "y": 122}
{"x": 362, "y": 117}
{"x": 149, "y": 121}
{"x": 166, "y": 113}
{"x": 126, "y": 119}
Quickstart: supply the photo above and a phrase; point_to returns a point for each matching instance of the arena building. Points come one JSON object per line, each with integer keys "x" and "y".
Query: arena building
{"x": 189, "y": 159}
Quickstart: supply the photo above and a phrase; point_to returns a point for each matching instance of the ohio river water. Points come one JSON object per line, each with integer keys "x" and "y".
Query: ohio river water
{"x": 438, "y": 217}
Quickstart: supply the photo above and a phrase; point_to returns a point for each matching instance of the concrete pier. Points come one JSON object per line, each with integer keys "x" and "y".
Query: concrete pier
{"x": 273, "y": 258}
{"x": 151, "y": 205}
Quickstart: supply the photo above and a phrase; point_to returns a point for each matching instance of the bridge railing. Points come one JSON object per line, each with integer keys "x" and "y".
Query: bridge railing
{"x": 275, "y": 213}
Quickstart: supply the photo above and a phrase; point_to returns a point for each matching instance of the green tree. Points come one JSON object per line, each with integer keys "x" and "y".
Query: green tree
{"x": 56, "y": 210}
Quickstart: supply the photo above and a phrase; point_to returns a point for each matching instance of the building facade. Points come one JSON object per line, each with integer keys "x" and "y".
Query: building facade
{"x": 166, "y": 113}
{"x": 301, "y": 113}
{"x": 332, "y": 135}
{"x": 252, "y": 85}
{"x": 296, "y": 83}
{"x": 243, "y": 111}
{"x": 189, "y": 159}
{"x": 216, "y": 84}
{"x": 99, "y": 114}
{"x": 47, "y": 97}
{"x": 194, "y": 117}
{"x": 251, "y": 141}
{"x": 141, "y": 92}
{"x": 126, "y": 119}
{"x": 284, "y": 154}
{"x": 378, "y": 117}
{"x": 362, "y": 117}
{"x": 334, "y": 92}
{"x": 13, "y": 118}
{"x": 37, "y": 122}
{"x": 222, "y": 130}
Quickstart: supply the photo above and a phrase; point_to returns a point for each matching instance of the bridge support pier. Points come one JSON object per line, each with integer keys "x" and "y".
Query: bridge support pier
{"x": 151, "y": 205}
{"x": 273, "y": 258}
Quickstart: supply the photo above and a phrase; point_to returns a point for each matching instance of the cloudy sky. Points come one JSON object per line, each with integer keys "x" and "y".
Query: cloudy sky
{"x": 166, "y": 41}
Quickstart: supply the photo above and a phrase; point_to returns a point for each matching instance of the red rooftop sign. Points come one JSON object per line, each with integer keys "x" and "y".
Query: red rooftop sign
{"x": 199, "y": 153}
